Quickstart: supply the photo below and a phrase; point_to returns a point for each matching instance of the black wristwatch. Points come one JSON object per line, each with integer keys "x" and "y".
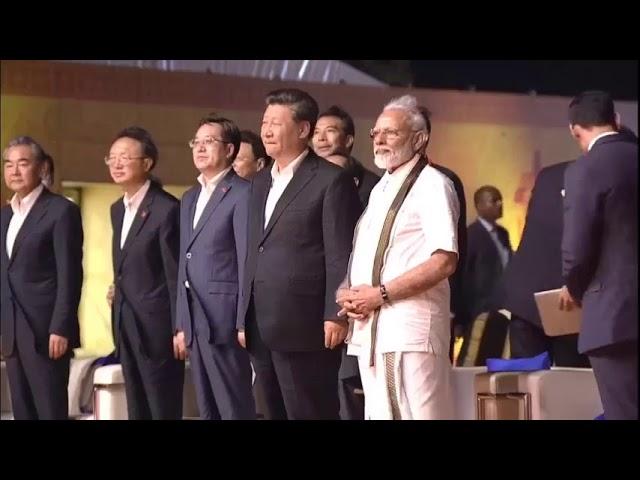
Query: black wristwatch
{"x": 383, "y": 292}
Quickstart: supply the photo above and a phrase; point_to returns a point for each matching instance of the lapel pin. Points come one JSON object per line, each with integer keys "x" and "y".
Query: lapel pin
{"x": 225, "y": 189}
{"x": 144, "y": 213}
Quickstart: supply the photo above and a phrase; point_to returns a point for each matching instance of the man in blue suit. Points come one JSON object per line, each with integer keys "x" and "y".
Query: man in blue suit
{"x": 213, "y": 221}
{"x": 40, "y": 283}
{"x": 600, "y": 250}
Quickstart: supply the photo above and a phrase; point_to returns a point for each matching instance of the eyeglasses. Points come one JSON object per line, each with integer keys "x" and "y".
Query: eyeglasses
{"x": 206, "y": 141}
{"x": 389, "y": 133}
{"x": 123, "y": 159}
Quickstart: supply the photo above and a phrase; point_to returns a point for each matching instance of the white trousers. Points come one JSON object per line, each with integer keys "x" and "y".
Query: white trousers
{"x": 422, "y": 386}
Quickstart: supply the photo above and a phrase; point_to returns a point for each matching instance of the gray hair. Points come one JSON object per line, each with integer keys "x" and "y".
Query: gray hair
{"x": 38, "y": 151}
{"x": 409, "y": 105}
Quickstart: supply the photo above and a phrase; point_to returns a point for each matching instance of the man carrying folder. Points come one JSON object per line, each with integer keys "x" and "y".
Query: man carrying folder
{"x": 600, "y": 250}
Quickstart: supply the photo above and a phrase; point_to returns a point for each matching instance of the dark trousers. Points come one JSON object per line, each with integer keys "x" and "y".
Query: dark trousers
{"x": 529, "y": 340}
{"x": 259, "y": 399}
{"x": 295, "y": 385}
{"x": 154, "y": 387}
{"x": 351, "y": 403}
{"x": 221, "y": 374}
{"x": 616, "y": 370}
{"x": 38, "y": 384}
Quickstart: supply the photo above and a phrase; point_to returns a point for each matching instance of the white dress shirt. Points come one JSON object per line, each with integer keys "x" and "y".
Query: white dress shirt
{"x": 20, "y": 211}
{"x": 131, "y": 205}
{"x": 206, "y": 190}
{"x": 503, "y": 252}
{"x": 280, "y": 180}
{"x": 427, "y": 221}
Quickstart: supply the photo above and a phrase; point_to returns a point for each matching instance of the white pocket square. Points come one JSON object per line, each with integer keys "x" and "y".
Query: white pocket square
{"x": 562, "y": 192}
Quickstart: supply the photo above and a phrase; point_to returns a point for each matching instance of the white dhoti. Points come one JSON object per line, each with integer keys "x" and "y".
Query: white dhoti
{"x": 408, "y": 385}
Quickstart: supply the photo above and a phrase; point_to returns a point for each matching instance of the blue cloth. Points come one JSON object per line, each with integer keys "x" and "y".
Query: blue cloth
{"x": 539, "y": 362}
{"x": 108, "y": 360}
{"x": 600, "y": 417}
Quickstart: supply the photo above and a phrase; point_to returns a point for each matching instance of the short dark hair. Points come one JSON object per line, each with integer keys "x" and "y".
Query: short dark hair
{"x": 593, "y": 108}
{"x": 485, "y": 188}
{"x": 27, "y": 141}
{"x": 257, "y": 147}
{"x": 230, "y": 131}
{"x": 347, "y": 121}
{"x": 149, "y": 148}
{"x": 303, "y": 105}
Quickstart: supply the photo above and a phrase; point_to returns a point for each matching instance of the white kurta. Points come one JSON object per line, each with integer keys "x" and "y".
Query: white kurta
{"x": 427, "y": 221}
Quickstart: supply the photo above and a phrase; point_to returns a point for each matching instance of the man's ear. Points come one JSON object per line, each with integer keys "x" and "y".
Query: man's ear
{"x": 573, "y": 129}
{"x": 350, "y": 140}
{"x": 304, "y": 129}
{"x": 230, "y": 150}
{"x": 420, "y": 140}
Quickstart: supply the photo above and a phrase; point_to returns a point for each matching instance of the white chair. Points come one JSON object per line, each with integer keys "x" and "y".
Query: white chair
{"x": 555, "y": 394}
{"x": 110, "y": 400}
{"x": 462, "y": 389}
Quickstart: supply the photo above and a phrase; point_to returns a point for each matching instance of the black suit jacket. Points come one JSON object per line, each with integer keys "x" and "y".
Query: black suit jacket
{"x": 456, "y": 280}
{"x": 43, "y": 278}
{"x": 537, "y": 264}
{"x": 600, "y": 241}
{"x": 483, "y": 269}
{"x": 366, "y": 180}
{"x": 296, "y": 264}
{"x": 145, "y": 270}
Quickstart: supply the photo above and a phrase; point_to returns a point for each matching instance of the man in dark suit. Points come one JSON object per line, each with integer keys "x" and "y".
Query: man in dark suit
{"x": 600, "y": 250}
{"x": 252, "y": 157}
{"x": 41, "y": 278}
{"x": 302, "y": 214}
{"x": 334, "y": 134}
{"x": 488, "y": 253}
{"x": 455, "y": 281}
{"x": 333, "y": 138}
{"x": 146, "y": 236}
{"x": 537, "y": 266}
{"x": 213, "y": 236}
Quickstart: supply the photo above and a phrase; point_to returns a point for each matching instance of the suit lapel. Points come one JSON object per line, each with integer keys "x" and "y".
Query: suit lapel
{"x": 118, "y": 218}
{"x": 262, "y": 187}
{"x": 36, "y": 213}
{"x": 143, "y": 213}
{"x": 218, "y": 194}
{"x": 305, "y": 173}
{"x": 490, "y": 249}
{"x": 193, "y": 200}
{"x": 263, "y": 194}
{"x": 502, "y": 236}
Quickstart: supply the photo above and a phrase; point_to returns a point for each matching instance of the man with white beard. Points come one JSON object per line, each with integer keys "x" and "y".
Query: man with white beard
{"x": 396, "y": 293}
